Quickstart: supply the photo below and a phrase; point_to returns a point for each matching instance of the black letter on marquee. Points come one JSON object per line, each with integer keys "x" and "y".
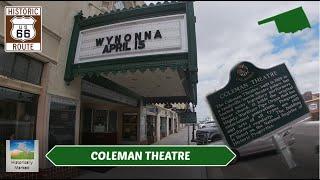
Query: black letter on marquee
{"x": 109, "y": 39}
{"x": 99, "y": 41}
{"x": 137, "y": 36}
{"x": 117, "y": 39}
{"x": 157, "y": 35}
{"x": 125, "y": 47}
{"x": 141, "y": 44}
{"x": 127, "y": 37}
{"x": 147, "y": 35}
{"x": 105, "y": 50}
{"x": 112, "y": 47}
{"x": 118, "y": 48}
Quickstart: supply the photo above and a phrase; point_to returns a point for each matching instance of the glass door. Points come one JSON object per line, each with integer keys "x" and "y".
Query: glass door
{"x": 151, "y": 129}
{"x": 129, "y": 131}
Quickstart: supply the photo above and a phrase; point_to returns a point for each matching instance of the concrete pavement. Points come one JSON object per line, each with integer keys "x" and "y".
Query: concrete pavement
{"x": 180, "y": 138}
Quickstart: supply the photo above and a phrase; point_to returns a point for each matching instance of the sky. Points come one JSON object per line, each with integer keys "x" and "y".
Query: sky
{"x": 228, "y": 33}
{"x": 22, "y": 145}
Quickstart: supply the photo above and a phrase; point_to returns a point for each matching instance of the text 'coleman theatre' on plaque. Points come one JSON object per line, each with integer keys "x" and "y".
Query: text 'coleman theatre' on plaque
{"x": 256, "y": 103}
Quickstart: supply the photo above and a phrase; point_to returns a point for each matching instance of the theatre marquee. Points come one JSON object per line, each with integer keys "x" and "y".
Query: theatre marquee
{"x": 143, "y": 49}
{"x": 150, "y": 36}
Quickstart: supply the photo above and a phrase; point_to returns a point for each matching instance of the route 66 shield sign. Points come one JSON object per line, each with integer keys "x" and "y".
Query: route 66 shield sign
{"x": 23, "y": 28}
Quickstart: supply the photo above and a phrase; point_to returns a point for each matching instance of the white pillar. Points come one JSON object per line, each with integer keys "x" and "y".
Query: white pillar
{"x": 142, "y": 124}
{"x": 42, "y": 122}
{"x": 158, "y": 127}
{"x": 168, "y": 130}
{"x": 172, "y": 124}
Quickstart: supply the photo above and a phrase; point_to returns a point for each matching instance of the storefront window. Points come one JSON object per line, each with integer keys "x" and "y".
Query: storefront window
{"x": 99, "y": 121}
{"x": 17, "y": 117}
{"x": 100, "y": 118}
{"x": 61, "y": 124}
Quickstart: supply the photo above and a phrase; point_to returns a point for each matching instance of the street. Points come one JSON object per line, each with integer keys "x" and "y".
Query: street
{"x": 268, "y": 165}
{"x": 272, "y": 166}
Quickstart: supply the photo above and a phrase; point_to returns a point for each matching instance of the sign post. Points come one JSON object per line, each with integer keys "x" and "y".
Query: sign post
{"x": 284, "y": 150}
{"x": 258, "y": 104}
{"x": 193, "y": 129}
{"x": 188, "y": 134}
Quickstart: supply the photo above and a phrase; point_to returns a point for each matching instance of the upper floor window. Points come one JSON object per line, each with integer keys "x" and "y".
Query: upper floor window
{"x": 20, "y": 67}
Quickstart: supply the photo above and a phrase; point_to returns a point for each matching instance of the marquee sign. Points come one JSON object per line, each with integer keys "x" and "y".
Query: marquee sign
{"x": 142, "y": 38}
{"x": 151, "y": 36}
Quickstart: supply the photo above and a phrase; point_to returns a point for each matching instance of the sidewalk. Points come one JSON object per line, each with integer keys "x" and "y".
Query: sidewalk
{"x": 179, "y": 138}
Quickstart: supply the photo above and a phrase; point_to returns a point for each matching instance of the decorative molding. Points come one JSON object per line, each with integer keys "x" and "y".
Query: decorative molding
{"x": 51, "y": 33}
{"x": 19, "y": 85}
{"x": 42, "y": 57}
{"x": 63, "y": 100}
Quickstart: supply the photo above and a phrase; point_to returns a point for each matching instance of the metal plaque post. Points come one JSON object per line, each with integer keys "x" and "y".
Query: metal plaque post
{"x": 188, "y": 134}
{"x": 193, "y": 129}
{"x": 284, "y": 150}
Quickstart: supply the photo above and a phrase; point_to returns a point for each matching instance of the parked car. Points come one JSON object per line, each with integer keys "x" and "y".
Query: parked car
{"x": 259, "y": 146}
{"x": 200, "y": 124}
{"x": 208, "y": 134}
{"x": 207, "y": 124}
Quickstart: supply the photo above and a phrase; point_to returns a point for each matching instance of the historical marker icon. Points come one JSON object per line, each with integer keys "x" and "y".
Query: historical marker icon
{"x": 22, "y": 156}
{"x": 23, "y": 29}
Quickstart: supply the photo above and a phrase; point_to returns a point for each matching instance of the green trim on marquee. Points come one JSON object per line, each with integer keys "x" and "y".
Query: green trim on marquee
{"x": 177, "y": 61}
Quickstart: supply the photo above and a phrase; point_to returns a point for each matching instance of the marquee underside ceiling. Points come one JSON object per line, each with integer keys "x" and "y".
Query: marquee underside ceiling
{"x": 167, "y": 83}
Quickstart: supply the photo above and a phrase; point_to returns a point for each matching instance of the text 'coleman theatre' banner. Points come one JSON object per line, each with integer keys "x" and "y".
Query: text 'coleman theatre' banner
{"x": 159, "y": 35}
{"x": 140, "y": 155}
{"x": 256, "y": 103}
